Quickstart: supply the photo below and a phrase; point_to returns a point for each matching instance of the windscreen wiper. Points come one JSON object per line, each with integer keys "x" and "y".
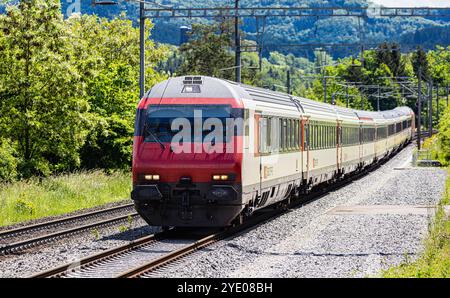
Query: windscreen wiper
{"x": 155, "y": 138}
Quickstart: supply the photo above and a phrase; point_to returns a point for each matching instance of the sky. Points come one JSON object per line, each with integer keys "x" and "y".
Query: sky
{"x": 414, "y": 3}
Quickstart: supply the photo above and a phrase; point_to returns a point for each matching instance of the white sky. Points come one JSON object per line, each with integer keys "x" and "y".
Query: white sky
{"x": 412, "y": 3}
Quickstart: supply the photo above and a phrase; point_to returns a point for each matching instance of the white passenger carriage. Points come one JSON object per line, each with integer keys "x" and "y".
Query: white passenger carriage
{"x": 286, "y": 146}
{"x": 300, "y": 143}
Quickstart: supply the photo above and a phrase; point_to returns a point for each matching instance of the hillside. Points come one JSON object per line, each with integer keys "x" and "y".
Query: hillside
{"x": 281, "y": 31}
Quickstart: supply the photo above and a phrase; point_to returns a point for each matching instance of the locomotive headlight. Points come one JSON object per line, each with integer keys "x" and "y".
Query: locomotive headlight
{"x": 151, "y": 177}
{"x": 220, "y": 177}
{"x": 223, "y": 177}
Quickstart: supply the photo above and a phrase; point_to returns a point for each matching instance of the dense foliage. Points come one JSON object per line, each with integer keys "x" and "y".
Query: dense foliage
{"x": 444, "y": 138}
{"x": 69, "y": 87}
{"x": 68, "y": 90}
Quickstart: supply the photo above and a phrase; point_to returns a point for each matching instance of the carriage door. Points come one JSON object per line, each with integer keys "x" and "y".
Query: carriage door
{"x": 257, "y": 164}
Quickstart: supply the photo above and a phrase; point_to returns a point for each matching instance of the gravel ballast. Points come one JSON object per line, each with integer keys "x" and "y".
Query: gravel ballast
{"x": 309, "y": 241}
{"x": 72, "y": 248}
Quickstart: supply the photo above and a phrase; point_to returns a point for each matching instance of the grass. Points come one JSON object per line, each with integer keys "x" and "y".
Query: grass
{"x": 435, "y": 261}
{"x": 31, "y": 199}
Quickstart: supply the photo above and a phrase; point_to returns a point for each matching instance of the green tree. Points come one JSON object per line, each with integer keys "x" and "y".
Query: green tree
{"x": 8, "y": 161}
{"x": 420, "y": 63}
{"x": 208, "y": 51}
{"x": 42, "y": 102}
{"x": 444, "y": 137}
{"x": 107, "y": 55}
{"x": 390, "y": 55}
{"x": 439, "y": 61}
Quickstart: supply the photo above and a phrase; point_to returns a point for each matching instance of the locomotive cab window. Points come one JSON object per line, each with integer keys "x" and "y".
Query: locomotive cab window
{"x": 158, "y": 126}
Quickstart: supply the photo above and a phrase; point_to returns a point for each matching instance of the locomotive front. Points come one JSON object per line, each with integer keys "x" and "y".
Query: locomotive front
{"x": 187, "y": 154}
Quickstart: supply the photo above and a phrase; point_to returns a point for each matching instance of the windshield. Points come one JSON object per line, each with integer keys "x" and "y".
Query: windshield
{"x": 159, "y": 120}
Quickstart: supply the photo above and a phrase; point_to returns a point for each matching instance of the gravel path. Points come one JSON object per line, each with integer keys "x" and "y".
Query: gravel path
{"x": 314, "y": 241}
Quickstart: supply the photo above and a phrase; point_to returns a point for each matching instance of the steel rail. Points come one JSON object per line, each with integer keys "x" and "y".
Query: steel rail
{"x": 63, "y": 270}
{"x": 57, "y": 222}
{"x": 33, "y": 242}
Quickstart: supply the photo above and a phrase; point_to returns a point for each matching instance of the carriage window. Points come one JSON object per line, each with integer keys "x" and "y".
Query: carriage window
{"x": 290, "y": 134}
{"x": 318, "y": 136}
{"x": 330, "y": 129}
{"x": 274, "y": 134}
{"x": 263, "y": 135}
{"x": 329, "y": 136}
{"x": 330, "y": 141}
{"x": 294, "y": 135}
{"x": 322, "y": 136}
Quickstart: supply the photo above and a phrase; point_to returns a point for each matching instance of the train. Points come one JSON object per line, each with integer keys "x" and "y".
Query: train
{"x": 209, "y": 152}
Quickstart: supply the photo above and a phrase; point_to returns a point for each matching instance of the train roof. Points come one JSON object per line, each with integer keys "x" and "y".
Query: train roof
{"x": 210, "y": 87}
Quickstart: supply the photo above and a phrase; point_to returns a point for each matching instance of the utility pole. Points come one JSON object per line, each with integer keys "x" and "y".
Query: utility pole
{"x": 324, "y": 88}
{"x": 237, "y": 42}
{"x": 430, "y": 110}
{"x": 419, "y": 106}
{"x": 378, "y": 99}
{"x": 142, "y": 49}
{"x": 288, "y": 81}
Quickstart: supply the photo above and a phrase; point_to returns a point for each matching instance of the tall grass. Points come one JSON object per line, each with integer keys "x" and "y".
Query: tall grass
{"x": 435, "y": 261}
{"x": 36, "y": 198}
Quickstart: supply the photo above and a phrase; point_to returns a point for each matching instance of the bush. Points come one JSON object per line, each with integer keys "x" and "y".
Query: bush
{"x": 444, "y": 138}
{"x": 23, "y": 207}
{"x": 8, "y": 162}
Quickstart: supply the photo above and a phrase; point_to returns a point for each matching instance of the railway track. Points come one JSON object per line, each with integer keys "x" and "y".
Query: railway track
{"x": 22, "y": 238}
{"x": 148, "y": 255}
{"x": 115, "y": 261}
{"x": 148, "y": 269}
